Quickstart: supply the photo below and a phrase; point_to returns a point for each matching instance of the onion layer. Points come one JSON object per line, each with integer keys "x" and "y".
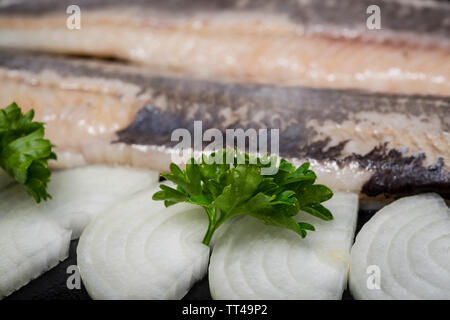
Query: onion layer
{"x": 79, "y": 194}
{"x": 141, "y": 250}
{"x": 256, "y": 261}
{"x": 30, "y": 244}
{"x": 403, "y": 252}
{"x": 35, "y": 237}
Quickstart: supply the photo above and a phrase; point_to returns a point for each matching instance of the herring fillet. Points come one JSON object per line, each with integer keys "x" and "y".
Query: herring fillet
{"x": 100, "y": 112}
{"x": 255, "y": 261}
{"x": 404, "y": 250}
{"x": 142, "y": 250}
{"x": 311, "y": 43}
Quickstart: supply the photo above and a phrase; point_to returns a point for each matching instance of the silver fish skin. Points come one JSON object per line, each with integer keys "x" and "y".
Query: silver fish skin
{"x": 109, "y": 112}
{"x": 320, "y": 43}
{"x": 424, "y": 17}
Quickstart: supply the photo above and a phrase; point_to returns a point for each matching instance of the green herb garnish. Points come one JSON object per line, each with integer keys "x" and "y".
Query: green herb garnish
{"x": 225, "y": 190}
{"x": 24, "y": 152}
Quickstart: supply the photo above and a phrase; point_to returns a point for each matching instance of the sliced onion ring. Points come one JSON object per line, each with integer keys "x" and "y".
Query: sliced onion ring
{"x": 403, "y": 252}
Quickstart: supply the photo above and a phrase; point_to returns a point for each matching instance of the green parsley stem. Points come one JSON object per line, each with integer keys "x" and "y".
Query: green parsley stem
{"x": 209, "y": 234}
{"x": 213, "y": 224}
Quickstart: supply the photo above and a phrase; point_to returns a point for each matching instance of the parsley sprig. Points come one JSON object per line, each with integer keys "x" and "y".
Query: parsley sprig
{"x": 226, "y": 190}
{"x": 24, "y": 152}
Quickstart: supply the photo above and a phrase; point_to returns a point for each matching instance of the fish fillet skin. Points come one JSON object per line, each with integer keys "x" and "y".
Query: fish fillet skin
{"x": 253, "y": 261}
{"x": 141, "y": 250}
{"x": 308, "y": 43}
{"x": 30, "y": 244}
{"x": 402, "y": 252}
{"x": 356, "y": 141}
{"x": 80, "y": 194}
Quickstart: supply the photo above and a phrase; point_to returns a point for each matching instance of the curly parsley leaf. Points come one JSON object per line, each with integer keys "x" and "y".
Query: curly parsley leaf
{"x": 226, "y": 187}
{"x": 24, "y": 152}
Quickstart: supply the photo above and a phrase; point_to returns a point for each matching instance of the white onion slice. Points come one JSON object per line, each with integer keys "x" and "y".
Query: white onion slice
{"x": 79, "y": 194}
{"x": 141, "y": 250}
{"x": 35, "y": 237}
{"x": 256, "y": 261}
{"x": 30, "y": 244}
{"x": 408, "y": 242}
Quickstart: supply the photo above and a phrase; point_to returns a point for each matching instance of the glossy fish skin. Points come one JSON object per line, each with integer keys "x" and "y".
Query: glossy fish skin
{"x": 98, "y": 112}
{"x": 308, "y": 43}
{"x": 425, "y": 18}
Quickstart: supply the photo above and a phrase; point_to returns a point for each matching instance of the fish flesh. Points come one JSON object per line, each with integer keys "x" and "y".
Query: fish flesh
{"x": 105, "y": 112}
{"x": 253, "y": 261}
{"x": 79, "y": 194}
{"x": 142, "y": 250}
{"x": 403, "y": 252}
{"x": 30, "y": 245}
{"x": 289, "y": 42}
